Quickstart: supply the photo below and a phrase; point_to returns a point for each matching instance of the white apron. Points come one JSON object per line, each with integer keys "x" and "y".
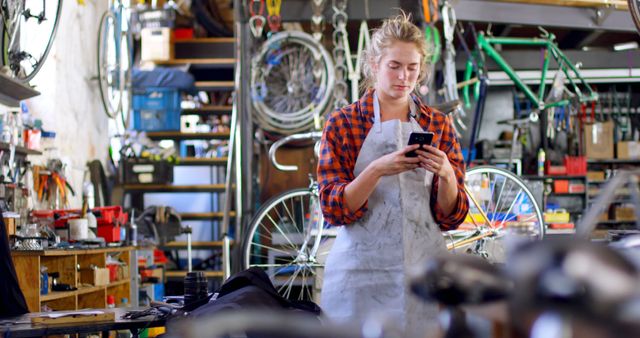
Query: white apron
{"x": 366, "y": 270}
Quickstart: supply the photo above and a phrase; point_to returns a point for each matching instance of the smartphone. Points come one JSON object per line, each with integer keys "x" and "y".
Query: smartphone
{"x": 420, "y": 138}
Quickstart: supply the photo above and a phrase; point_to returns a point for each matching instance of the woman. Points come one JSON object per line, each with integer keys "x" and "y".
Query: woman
{"x": 393, "y": 207}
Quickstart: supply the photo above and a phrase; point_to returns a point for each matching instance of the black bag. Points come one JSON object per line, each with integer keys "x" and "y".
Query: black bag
{"x": 12, "y": 302}
{"x": 252, "y": 288}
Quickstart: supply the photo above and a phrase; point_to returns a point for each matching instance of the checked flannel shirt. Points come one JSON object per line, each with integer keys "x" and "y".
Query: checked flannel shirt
{"x": 343, "y": 136}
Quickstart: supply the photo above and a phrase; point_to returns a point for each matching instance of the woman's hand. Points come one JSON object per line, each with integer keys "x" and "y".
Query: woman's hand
{"x": 396, "y": 162}
{"x": 436, "y": 161}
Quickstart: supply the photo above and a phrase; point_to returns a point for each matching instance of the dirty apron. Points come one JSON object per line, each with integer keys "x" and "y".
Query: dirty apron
{"x": 366, "y": 270}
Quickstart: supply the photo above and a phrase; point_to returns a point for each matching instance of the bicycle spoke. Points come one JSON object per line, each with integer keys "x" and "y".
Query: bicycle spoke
{"x": 274, "y": 249}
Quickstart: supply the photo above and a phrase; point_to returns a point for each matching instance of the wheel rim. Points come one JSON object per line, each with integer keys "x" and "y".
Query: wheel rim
{"x": 109, "y": 68}
{"x": 291, "y": 82}
{"x": 510, "y": 207}
{"x": 287, "y": 243}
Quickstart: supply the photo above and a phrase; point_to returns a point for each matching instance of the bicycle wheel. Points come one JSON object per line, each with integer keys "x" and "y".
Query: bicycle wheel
{"x": 109, "y": 67}
{"x": 23, "y": 23}
{"x": 509, "y": 206}
{"x": 286, "y": 238}
{"x": 634, "y": 8}
{"x": 292, "y": 78}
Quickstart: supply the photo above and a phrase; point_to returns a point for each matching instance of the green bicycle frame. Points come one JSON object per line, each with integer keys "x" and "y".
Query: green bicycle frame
{"x": 486, "y": 44}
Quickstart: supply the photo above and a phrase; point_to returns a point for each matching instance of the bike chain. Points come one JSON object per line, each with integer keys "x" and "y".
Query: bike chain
{"x": 339, "y": 53}
{"x": 317, "y": 19}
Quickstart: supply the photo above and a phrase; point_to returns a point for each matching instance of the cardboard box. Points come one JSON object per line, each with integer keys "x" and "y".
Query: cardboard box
{"x": 625, "y": 214}
{"x": 598, "y": 140}
{"x": 95, "y": 277}
{"x": 596, "y": 176}
{"x": 157, "y": 44}
{"x": 628, "y": 150}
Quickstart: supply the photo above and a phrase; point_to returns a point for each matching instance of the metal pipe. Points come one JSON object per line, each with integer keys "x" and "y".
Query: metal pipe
{"x": 617, "y": 4}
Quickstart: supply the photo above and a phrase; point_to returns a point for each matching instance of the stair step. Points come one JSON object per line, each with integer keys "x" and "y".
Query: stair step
{"x": 215, "y": 85}
{"x": 201, "y": 161}
{"x": 202, "y": 244}
{"x": 208, "y": 62}
{"x": 208, "y": 110}
{"x": 181, "y": 274}
{"x": 175, "y": 188}
{"x": 176, "y": 135}
{"x": 204, "y": 48}
{"x": 193, "y": 216}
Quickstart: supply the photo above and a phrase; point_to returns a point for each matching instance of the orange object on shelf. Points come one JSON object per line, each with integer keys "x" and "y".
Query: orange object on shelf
{"x": 561, "y": 226}
{"x": 561, "y": 186}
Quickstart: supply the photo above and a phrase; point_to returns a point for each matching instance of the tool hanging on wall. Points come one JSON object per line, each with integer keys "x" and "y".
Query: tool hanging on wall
{"x": 274, "y": 20}
{"x": 257, "y": 19}
{"x": 51, "y": 186}
{"x": 449, "y": 23}
{"x": 339, "y": 53}
{"x": 317, "y": 19}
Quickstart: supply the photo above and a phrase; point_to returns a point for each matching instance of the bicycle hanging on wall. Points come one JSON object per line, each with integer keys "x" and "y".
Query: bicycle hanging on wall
{"x": 26, "y": 34}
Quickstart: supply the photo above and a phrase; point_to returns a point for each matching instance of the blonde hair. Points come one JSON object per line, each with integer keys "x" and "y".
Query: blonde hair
{"x": 396, "y": 28}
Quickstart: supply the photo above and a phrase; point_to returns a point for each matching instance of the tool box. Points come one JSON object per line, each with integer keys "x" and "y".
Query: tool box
{"x": 110, "y": 219}
{"x": 156, "y": 109}
{"x": 145, "y": 171}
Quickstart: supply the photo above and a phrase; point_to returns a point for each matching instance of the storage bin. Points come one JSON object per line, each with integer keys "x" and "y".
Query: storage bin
{"x": 576, "y": 165}
{"x": 156, "y": 109}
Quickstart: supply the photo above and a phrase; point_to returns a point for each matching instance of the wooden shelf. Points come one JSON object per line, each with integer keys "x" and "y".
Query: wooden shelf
{"x": 175, "y": 188}
{"x": 28, "y": 265}
{"x": 57, "y": 295}
{"x": 208, "y": 110}
{"x": 20, "y": 150}
{"x": 67, "y": 252}
{"x": 181, "y": 274}
{"x": 194, "y": 161}
{"x": 204, "y": 215}
{"x": 12, "y": 91}
{"x": 204, "y": 244}
{"x": 176, "y": 135}
{"x": 118, "y": 283}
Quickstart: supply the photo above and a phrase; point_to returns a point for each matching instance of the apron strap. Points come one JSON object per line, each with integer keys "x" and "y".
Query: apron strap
{"x": 376, "y": 113}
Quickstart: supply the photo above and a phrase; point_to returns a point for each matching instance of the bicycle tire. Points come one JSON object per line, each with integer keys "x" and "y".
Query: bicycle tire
{"x": 634, "y": 9}
{"x": 500, "y": 210}
{"x": 286, "y": 256}
{"x": 45, "y": 53}
{"x": 103, "y": 82}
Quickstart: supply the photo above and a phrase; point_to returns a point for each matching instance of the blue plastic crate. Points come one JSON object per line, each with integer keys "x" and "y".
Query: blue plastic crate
{"x": 156, "y": 109}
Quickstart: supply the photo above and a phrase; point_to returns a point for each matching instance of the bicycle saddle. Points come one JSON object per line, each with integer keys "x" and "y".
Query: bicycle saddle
{"x": 580, "y": 278}
{"x": 460, "y": 280}
{"x": 447, "y": 107}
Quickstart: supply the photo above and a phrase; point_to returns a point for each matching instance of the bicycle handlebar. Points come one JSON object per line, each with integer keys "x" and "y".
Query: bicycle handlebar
{"x": 314, "y": 135}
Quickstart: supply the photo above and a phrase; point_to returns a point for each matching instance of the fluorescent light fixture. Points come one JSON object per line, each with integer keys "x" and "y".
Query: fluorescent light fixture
{"x": 625, "y": 46}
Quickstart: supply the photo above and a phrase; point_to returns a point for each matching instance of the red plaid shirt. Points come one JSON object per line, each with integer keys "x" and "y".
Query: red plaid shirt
{"x": 343, "y": 136}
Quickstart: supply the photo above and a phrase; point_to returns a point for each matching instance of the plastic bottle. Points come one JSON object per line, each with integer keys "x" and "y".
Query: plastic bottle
{"x": 541, "y": 160}
{"x": 111, "y": 301}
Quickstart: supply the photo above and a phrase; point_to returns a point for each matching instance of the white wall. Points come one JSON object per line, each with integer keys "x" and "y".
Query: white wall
{"x": 69, "y": 103}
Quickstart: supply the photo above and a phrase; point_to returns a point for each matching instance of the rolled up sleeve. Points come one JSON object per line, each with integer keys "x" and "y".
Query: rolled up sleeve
{"x": 335, "y": 170}
{"x": 450, "y": 145}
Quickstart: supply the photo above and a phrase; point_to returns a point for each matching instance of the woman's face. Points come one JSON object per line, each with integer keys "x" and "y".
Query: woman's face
{"x": 397, "y": 71}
